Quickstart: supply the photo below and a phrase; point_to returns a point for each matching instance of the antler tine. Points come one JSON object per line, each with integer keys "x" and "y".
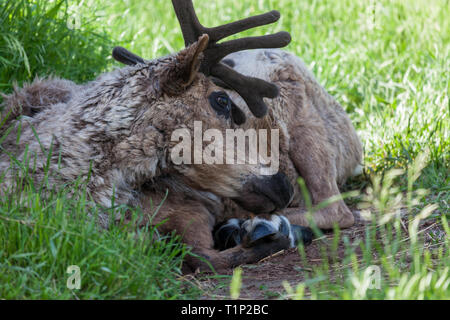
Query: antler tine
{"x": 226, "y": 30}
{"x": 126, "y": 57}
{"x": 252, "y": 90}
{"x": 192, "y": 28}
{"x": 219, "y": 51}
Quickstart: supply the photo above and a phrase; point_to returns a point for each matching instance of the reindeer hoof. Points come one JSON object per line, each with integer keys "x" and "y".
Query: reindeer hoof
{"x": 260, "y": 232}
{"x": 228, "y": 235}
{"x": 255, "y": 231}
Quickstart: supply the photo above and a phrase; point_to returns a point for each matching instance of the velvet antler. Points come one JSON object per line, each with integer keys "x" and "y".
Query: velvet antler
{"x": 252, "y": 90}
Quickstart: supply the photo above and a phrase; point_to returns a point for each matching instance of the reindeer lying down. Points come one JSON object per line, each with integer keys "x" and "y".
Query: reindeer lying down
{"x": 118, "y": 128}
{"x": 319, "y": 142}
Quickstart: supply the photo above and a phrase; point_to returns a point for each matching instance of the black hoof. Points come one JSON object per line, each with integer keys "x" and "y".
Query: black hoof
{"x": 303, "y": 234}
{"x": 260, "y": 232}
{"x": 228, "y": 235}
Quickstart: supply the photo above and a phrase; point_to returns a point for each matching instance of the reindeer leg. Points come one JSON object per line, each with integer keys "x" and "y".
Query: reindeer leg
{"x": 194, "y": 223}
{"x": 235, "y": 256}
{"x": 312, "y": 156}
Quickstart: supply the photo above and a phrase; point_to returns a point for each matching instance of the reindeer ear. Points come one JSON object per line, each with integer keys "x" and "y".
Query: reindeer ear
{"x": 181, "y": 72}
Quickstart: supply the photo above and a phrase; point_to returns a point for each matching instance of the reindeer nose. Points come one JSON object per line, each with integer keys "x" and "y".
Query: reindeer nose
{"x": 266, "y": 194}
{"x": 277, "y": 188}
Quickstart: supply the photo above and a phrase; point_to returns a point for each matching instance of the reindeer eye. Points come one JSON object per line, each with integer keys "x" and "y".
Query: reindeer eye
{"x": 221, "y": 103}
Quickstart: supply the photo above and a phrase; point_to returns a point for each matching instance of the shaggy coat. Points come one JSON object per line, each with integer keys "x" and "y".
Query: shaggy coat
{"x": 115, "y": 134}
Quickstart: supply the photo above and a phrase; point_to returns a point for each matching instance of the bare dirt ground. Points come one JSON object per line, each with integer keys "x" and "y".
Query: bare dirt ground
{"x": 264, "y": 280}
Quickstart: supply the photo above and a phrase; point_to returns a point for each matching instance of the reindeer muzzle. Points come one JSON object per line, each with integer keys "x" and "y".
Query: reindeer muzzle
{"x": 266, "y": 194}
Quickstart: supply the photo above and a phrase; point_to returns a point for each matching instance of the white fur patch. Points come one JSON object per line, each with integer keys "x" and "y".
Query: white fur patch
{"x": 291, "y": 234}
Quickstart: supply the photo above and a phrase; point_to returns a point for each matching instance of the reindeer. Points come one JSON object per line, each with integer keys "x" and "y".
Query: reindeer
{"x": 319, "y": 141}
{"x": 116, "y": 131}
{"x": 114, "y": 134}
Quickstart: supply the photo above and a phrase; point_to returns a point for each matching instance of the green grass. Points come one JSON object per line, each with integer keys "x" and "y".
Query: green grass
{"x": 386, "y": 62}
{"x": 41, "y": 239}
{"x": 35, "y": 40}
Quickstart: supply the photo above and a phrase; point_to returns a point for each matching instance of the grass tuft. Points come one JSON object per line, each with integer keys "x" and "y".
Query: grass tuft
{"x": 38, "y": 37}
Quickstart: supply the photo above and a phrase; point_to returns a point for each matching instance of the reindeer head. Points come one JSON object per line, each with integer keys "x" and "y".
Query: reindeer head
{"x": 181, "y": 97}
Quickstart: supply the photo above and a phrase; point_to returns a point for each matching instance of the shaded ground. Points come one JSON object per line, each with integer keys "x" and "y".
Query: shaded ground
{"x": 264, "y": 280}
